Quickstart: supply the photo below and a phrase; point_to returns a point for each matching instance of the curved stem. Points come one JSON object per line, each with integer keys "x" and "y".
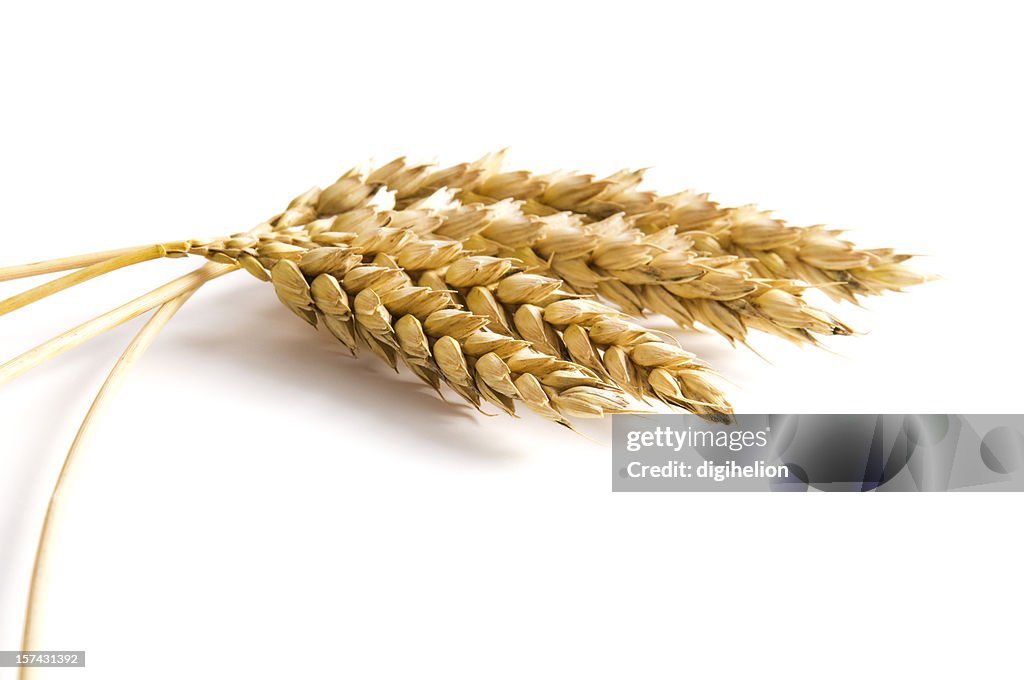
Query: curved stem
{"x": 131, "y": 355}
{"x": 90, "y": 329}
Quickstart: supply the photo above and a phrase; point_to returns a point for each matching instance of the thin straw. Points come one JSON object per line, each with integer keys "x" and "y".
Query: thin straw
{"x": 110, "y": 386}
{"x": 61, "y": 264}
{"x": 92, "y": 271}
{"x": 90, "y": 329}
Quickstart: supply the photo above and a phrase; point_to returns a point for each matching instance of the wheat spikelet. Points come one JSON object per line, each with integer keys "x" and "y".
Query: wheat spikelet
{"x": 587, "y": 332}
{"x": 814, "y": 254}
{"x": 610, "y": 257}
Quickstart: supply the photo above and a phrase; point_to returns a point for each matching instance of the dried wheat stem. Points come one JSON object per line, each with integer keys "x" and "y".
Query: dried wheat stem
{"x": 89, "y": 272}
{"x": 63, "y": 264}
{"x": 90, "y": 329}
{"x": 115, "y": 379}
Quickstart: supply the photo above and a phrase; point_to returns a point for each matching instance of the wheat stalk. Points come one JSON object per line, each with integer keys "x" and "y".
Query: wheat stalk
{"x": 131, "y": 355}
{"x": 334, "y": 258}
{"x": 62, "y": 264}
{"x": 492, "y": 294}
{"x": 84, "y": 274}
{"x": 130, "y": 310}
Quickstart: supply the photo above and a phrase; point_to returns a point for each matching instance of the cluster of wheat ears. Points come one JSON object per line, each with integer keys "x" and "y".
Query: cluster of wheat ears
{"x": 508, "y": 286}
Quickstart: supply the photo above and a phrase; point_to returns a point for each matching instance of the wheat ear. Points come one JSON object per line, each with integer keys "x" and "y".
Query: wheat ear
{"x": 587, "y": 332}
{"x": 503, "y": 301}
{"x": 537, "y": 309}
{"x": 662, "y": 272}
{"x": 815, "y": 255}
{"x": 494, "y": 290}
{"x": 356, "y": 287}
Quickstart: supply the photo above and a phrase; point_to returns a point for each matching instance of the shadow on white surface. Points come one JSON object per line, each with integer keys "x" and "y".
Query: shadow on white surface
{"x": 245, "y": 332}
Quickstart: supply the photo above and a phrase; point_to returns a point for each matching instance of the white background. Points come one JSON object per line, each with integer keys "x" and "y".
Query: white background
{"x": 257, "y": 503}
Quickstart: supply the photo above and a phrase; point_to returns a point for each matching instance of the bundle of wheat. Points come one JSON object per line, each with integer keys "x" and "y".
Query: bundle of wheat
{"x": 468, "y": 275}
{"x": 490, "y": 282}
